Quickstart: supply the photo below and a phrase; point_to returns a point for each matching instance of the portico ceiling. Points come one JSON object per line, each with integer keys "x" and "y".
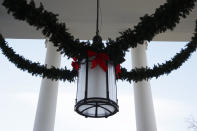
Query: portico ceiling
{"x": 80, "y": 18}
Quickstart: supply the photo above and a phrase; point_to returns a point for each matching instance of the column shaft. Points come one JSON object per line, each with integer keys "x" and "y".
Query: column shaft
{"x": 46, "y": 108}
{"x": 144, "y": 110}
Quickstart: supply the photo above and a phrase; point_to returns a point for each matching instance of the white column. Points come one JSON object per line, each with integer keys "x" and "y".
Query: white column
{"x": 144, "y": 110}
{"x": 46, "y": 108}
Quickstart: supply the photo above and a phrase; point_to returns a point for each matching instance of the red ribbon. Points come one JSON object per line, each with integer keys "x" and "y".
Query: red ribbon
{"x": 118, "y": 70}
{"x": 100, "y": 59}
{"x": 75, "y": 64}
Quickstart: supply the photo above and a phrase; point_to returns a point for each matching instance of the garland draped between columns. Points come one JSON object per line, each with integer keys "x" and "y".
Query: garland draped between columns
{"x": 167, "y": 16}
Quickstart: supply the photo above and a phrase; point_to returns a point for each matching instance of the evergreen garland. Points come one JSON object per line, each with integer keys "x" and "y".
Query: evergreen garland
{"x": 48, "y": 23}
{"x": 167, "y": 16}
{"x": 139, "y": 74}
{"x": 35, "y": 68}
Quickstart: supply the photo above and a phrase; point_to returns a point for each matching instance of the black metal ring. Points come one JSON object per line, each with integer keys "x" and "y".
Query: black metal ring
{"x": 97, "y": 102}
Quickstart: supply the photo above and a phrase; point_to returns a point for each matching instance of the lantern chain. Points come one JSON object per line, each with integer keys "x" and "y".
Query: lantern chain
{"x": 97, "y": 18}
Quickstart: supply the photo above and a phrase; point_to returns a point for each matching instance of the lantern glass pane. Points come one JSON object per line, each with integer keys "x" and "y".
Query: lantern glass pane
{"x": 81, "y": 82}
{"x": 84, "y": 108}
{"x": 101, "y": 111}
{"x": 96, "y": 82}
{"x": 109, "y": 108}
{"x": 91, "y": 112}
{"x": 112, "y": 83}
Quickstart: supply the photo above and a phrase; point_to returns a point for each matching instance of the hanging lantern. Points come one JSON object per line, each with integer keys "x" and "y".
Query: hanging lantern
{"x": 96, "y": 90}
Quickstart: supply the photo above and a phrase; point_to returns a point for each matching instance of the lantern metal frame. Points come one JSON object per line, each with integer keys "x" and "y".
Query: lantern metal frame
{"x": 96, "y": 102}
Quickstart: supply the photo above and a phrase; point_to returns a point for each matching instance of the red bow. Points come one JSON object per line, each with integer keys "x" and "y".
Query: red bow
{"x": 118, "y": 70}
{"x": 100, "y": 59}
{"x": 75, "y": 64}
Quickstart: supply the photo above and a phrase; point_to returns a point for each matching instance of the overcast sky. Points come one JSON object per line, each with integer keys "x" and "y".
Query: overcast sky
{"x": 174, "y": 95}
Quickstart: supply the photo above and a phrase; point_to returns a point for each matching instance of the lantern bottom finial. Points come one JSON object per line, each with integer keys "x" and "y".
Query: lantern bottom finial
{"x": 96, "y": 107}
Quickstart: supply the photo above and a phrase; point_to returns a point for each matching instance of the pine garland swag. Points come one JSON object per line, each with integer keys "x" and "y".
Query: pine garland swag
{"x": 167, "y": 16}
{"x": 35, "y": 68}
{"x": 176, "y": 62}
